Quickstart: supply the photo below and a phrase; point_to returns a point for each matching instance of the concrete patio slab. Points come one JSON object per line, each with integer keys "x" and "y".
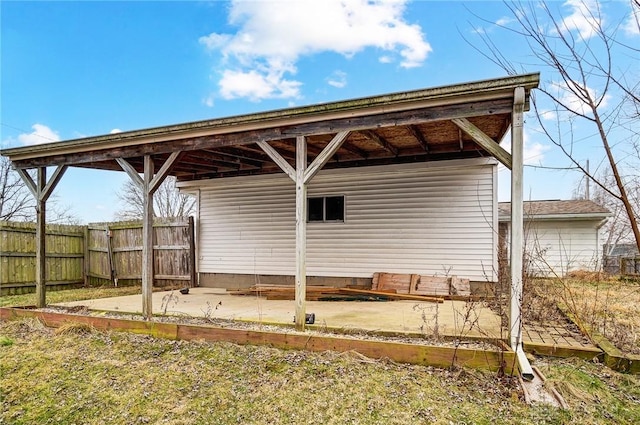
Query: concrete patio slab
{"x": 451, "y": 318}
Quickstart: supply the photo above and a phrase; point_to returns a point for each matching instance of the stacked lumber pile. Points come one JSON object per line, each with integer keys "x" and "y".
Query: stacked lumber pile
{"x": 331, "y": 293}
{"x": 414, "y": 284}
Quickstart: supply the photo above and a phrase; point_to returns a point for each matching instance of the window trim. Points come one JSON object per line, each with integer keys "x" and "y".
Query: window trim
{"x": 324, "y": 208}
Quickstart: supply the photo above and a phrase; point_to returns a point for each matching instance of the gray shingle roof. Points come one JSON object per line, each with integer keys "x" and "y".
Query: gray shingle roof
{"x": 556, "y": 209}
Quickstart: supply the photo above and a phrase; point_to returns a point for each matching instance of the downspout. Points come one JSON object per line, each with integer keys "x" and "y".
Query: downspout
{"x": 517, "y": 233}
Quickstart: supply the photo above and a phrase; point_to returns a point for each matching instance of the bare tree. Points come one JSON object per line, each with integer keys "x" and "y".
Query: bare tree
{"x": 594, "y": 85}
{"x": 168, "y": 201}
{"x": 18, "y": 204}
{"x": 617, "y": 229}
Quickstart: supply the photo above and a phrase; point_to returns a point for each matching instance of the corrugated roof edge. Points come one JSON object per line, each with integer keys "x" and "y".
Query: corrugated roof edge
{"x": 529, "y": 81}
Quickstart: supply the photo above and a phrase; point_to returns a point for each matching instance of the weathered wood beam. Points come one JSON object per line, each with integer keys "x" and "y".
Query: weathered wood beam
{"x": 301, "y": 232}
{"x": 517, "y": 216}
{"x": 163, "y": 172}
{"x": 147, "y": 238}
{"x": 41, "y": 235}
{"x": 53, "y": 182}
{"x": 380, "y": 141}
{"x": 245, "y": 154}
{"x": 485, "y": 142}
{"x": 28, "y": 181}
{"x": 279, "y": 160}
{"x": 203, "y": 164}
{"x": 131, "y": 171}
{"x": 402, "y": 118}
{"x": 413, "y": 129}
{"x": 325, "y": 155}
{"x": 222, "y": 157}
{"x": 354, "y": 150}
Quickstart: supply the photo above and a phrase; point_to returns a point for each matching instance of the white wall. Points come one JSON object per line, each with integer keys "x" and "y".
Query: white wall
{"x": 424, "y": 218}
{"x": 558, "y": 247}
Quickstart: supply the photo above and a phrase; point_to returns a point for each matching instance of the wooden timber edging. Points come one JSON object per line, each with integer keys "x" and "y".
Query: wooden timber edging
{"x": 611, "y": 355}
{"x": 439, "y": 356}
{"x": 564, "y": 351}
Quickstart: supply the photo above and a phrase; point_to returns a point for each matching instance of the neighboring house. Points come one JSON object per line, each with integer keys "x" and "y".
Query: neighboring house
{"x": 560, "y": 236}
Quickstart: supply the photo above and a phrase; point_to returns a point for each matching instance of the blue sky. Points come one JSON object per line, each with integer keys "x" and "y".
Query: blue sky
{"x": 76, "y": 69}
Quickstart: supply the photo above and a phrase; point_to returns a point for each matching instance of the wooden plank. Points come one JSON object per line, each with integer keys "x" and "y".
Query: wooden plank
{"x": 553, "y": 350}
{"x": 375, "y": 280}
{"x": 392, "y": 295}
{"x": 433, "y": 285}
{"x": 399, "y": 282}
{"x": 459, "y": 286}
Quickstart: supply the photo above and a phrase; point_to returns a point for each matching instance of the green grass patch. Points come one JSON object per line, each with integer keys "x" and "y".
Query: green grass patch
{"x": 86, "y": 376}
{"x": 68, "y": 295}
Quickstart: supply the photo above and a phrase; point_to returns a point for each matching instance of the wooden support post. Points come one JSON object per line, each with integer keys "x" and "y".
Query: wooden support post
{"x": 301, "y": 176}
{"x": 41, "y": 235}
{"x": 149, "y": 184}
{"x": 301, "y": 232}
{"x": 193, "y": 276}
{"x": 147, "y": 238}
{"x": 517, "y": 227}
{"x": 41, "y": 190}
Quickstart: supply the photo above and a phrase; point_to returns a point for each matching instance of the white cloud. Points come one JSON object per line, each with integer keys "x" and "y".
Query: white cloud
{"x": 568, "y": 97}
{"x": 533, "y": 151}
{"x": 337, "y": 79}
{"x": 40, "y": 134}
{"x": 584, "y": 17}
{"x": 115, "y": 131}
{"x": 273, "y": 35}
{"x": 255, "y": 85}
{"x": 209, "y": 100}
{"x": 631, "y": 26}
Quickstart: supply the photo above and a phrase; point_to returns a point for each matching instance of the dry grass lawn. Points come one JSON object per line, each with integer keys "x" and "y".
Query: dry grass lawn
{"x": 608, "y": 305}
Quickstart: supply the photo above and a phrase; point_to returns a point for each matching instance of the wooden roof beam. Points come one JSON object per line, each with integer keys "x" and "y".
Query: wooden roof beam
{"x": 241, "y": 153}
{"x": 380, "y": 141}
{"x": 485, "y": 142}
{"x": 331, "y": 126}
{"x": 355, "y": 150}
{"x": 415, "y": 132}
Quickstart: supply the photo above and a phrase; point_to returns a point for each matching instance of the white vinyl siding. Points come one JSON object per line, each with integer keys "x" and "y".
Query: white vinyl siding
{"x": 428, "y": 218}
{"x": 557, "y": 247}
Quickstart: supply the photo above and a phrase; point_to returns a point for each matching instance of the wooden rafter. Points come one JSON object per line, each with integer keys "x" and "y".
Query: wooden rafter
{"x": 349, "y": 147}
{"x": 380, "y": 141}
{"x": 415, "y": 132}
{"x": 486, "y": 142}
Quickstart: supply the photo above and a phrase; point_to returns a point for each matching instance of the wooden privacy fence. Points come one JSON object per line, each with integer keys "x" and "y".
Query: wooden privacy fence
{"x": 97, "y": 254}
{"x": 64, "y": 263}
{"x": 114, "y": 252}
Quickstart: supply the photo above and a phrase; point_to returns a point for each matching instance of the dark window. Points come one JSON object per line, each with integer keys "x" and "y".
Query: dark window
{"x": 316, "y": 209}
{"x": 327, "y": 208}
{"x": 334, "y": 208}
